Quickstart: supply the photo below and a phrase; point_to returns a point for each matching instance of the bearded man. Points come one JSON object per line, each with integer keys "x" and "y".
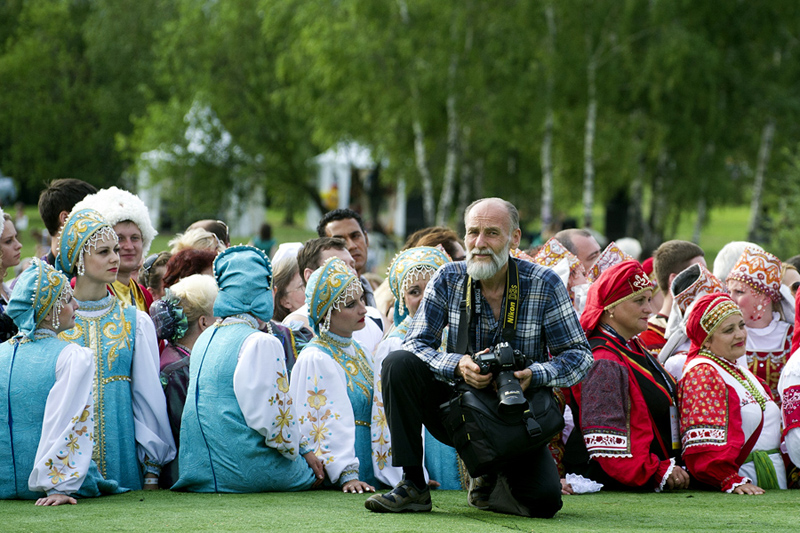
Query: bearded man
{"x": 419, "y": 379}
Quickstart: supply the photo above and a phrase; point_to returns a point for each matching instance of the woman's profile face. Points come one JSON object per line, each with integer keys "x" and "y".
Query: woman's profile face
{"x": 629, "y": 318}
{"x": 295, "y": 295}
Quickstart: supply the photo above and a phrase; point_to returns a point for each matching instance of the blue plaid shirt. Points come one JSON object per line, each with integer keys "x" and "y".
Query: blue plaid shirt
{"x": 546, "y": 321}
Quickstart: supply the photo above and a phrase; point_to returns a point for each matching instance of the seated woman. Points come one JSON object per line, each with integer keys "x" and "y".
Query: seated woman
{"x": 180, "y": 317}
{"x": 730, "y": 427}
{"x": 238, "y": 430}
{"x": 627, "y": 404}
{"x": 755, "y": 286}
{"x": 133, "y": 440}
{"x": 46, "y": 389}
{"x": 332, "y": 379}
{"x": 408, "y": 276}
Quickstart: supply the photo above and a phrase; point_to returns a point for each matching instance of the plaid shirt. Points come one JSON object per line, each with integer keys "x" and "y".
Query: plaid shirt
{"x": 546, "y": 319}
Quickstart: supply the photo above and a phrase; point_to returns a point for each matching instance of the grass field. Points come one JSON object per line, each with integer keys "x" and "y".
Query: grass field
{"x": 325, "y": 511}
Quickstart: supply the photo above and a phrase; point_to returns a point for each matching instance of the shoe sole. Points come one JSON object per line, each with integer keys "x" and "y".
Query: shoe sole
{"x": 377, "y": 507}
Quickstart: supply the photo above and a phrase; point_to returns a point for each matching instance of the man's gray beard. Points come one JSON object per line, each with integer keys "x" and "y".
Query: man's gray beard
{"x": 481, "y": 271}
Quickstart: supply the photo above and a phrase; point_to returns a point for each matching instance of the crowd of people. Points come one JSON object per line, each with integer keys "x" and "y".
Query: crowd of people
{"x": 288, "y": 366}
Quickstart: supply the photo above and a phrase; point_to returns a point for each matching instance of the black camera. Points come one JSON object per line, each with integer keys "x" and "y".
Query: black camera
{"x": 503, "y": 361}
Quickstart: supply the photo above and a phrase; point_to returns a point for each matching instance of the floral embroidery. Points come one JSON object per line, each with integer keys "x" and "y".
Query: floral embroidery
{"x": 317, "y": 399}
{"x": 63, "y": 465}
{"x": 284, "y": 420}
{"x": 703, "y": 398}
{"x": 791, "y": 407}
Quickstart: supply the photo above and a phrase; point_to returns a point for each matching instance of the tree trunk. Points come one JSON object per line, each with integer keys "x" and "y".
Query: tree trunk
{"x": 547, "y": 141}
{"x": 477, "y": 189}
{"x": 428, "y": 205}
{"x": 420, "y": 154}
{"x": 588, "y": 144}
{"x": 448, "y": 184}
{"x": 764, "y": 150}
{"x": 465, "y": 182}
{"x": 701, "y": 219}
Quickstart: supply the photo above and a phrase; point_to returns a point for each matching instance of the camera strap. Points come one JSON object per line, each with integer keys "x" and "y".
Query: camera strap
{"x": 510, "y": 311}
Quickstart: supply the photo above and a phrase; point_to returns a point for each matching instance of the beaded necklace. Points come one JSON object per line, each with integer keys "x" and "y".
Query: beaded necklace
{"x": 738, "y": 376}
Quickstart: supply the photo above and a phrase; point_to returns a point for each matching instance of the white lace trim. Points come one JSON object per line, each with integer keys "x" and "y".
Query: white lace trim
{"x": 744, "y": 481}
{"x": 666, "y": 475}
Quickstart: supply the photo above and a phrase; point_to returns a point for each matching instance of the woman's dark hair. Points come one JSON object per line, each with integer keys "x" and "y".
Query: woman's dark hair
{"x": 187, "y": 262}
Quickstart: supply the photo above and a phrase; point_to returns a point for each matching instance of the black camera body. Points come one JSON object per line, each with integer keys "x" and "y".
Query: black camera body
{"x": 503, "y": 361}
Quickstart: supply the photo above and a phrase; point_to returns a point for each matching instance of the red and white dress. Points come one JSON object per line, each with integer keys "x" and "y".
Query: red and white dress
{"x": 718, "y": 417}
{"x": 624, "y": 403}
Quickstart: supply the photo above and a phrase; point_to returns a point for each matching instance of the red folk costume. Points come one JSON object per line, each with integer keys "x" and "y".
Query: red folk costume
{"x": 627, "y": 401}
{"x": 768, "y": 348}
{"x": 730, "y": 427}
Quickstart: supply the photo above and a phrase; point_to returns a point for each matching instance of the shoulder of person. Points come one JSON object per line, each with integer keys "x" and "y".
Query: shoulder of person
{"x": 537, "y": 273}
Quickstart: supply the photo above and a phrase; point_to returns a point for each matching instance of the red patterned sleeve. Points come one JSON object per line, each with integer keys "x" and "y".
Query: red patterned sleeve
{"x": 616, "y": 426}
{"x": 711, "y": 428}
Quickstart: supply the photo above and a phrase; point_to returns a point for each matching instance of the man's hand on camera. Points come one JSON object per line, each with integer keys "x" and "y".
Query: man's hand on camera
{"x": 468, "y": 370}
{"x": 524, "y": 376}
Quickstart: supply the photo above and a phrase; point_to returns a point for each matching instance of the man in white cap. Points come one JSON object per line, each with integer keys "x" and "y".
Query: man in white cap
{"x": 131, "y": 221}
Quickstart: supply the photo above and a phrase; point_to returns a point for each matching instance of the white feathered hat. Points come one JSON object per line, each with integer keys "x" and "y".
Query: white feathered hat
{"x": 117, "y": 205}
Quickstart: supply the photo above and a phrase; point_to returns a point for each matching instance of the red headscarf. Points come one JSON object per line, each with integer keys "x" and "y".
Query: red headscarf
{"x": 621, "y": 282}
{"x": 708, "y": 312}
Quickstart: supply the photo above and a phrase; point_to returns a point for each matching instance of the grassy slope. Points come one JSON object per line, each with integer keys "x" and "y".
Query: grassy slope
{"x": 333, "y": 511}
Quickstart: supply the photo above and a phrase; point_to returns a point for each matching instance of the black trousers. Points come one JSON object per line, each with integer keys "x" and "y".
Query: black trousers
{"x": 412, "y": 397}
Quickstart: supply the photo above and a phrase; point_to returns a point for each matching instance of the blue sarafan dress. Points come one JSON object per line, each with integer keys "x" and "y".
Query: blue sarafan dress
{"x": 238, "y": 429}
{"x": 30, "y": 466}
{"x": 332, "y": 381}
{"x": 45, "y": 397}
{"x": 132, "y": 434}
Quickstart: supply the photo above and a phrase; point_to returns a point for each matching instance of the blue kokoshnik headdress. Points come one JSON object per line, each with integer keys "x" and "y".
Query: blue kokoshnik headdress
{"x": 409, "y": 266}
{"x": 39, "y": 290}
{"x": 244, "y": 277}
{"x": 82, "y": 231}
{"x": 328, "y": 288}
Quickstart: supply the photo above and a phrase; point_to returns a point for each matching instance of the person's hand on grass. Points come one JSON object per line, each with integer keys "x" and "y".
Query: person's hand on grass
{"x": 316, "y": 465}
{"x": 748, "y": 488}
{"x": 678, "y": 479}
{"x": 56, "y": 499}
{"x": 357, "y": 487}
{"x": 566, "y": 488}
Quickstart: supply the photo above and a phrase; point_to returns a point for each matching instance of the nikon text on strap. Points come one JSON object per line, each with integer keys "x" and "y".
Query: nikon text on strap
{"x": 510, "y": 312}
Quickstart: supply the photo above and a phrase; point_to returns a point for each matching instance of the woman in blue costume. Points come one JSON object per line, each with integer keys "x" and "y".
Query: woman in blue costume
{"x": 332, "y": 379}
{"x": 408, "y": 276}
{"x": 238, "y": 430}
{"x": 46, "y": 392}
{"x": 132, "y": 434}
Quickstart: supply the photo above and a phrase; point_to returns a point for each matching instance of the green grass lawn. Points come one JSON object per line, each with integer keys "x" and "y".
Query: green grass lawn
{"x": 324, "y": 511}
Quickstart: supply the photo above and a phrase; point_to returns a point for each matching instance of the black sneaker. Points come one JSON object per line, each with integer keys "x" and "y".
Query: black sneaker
{"x": 404, "y": 498}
